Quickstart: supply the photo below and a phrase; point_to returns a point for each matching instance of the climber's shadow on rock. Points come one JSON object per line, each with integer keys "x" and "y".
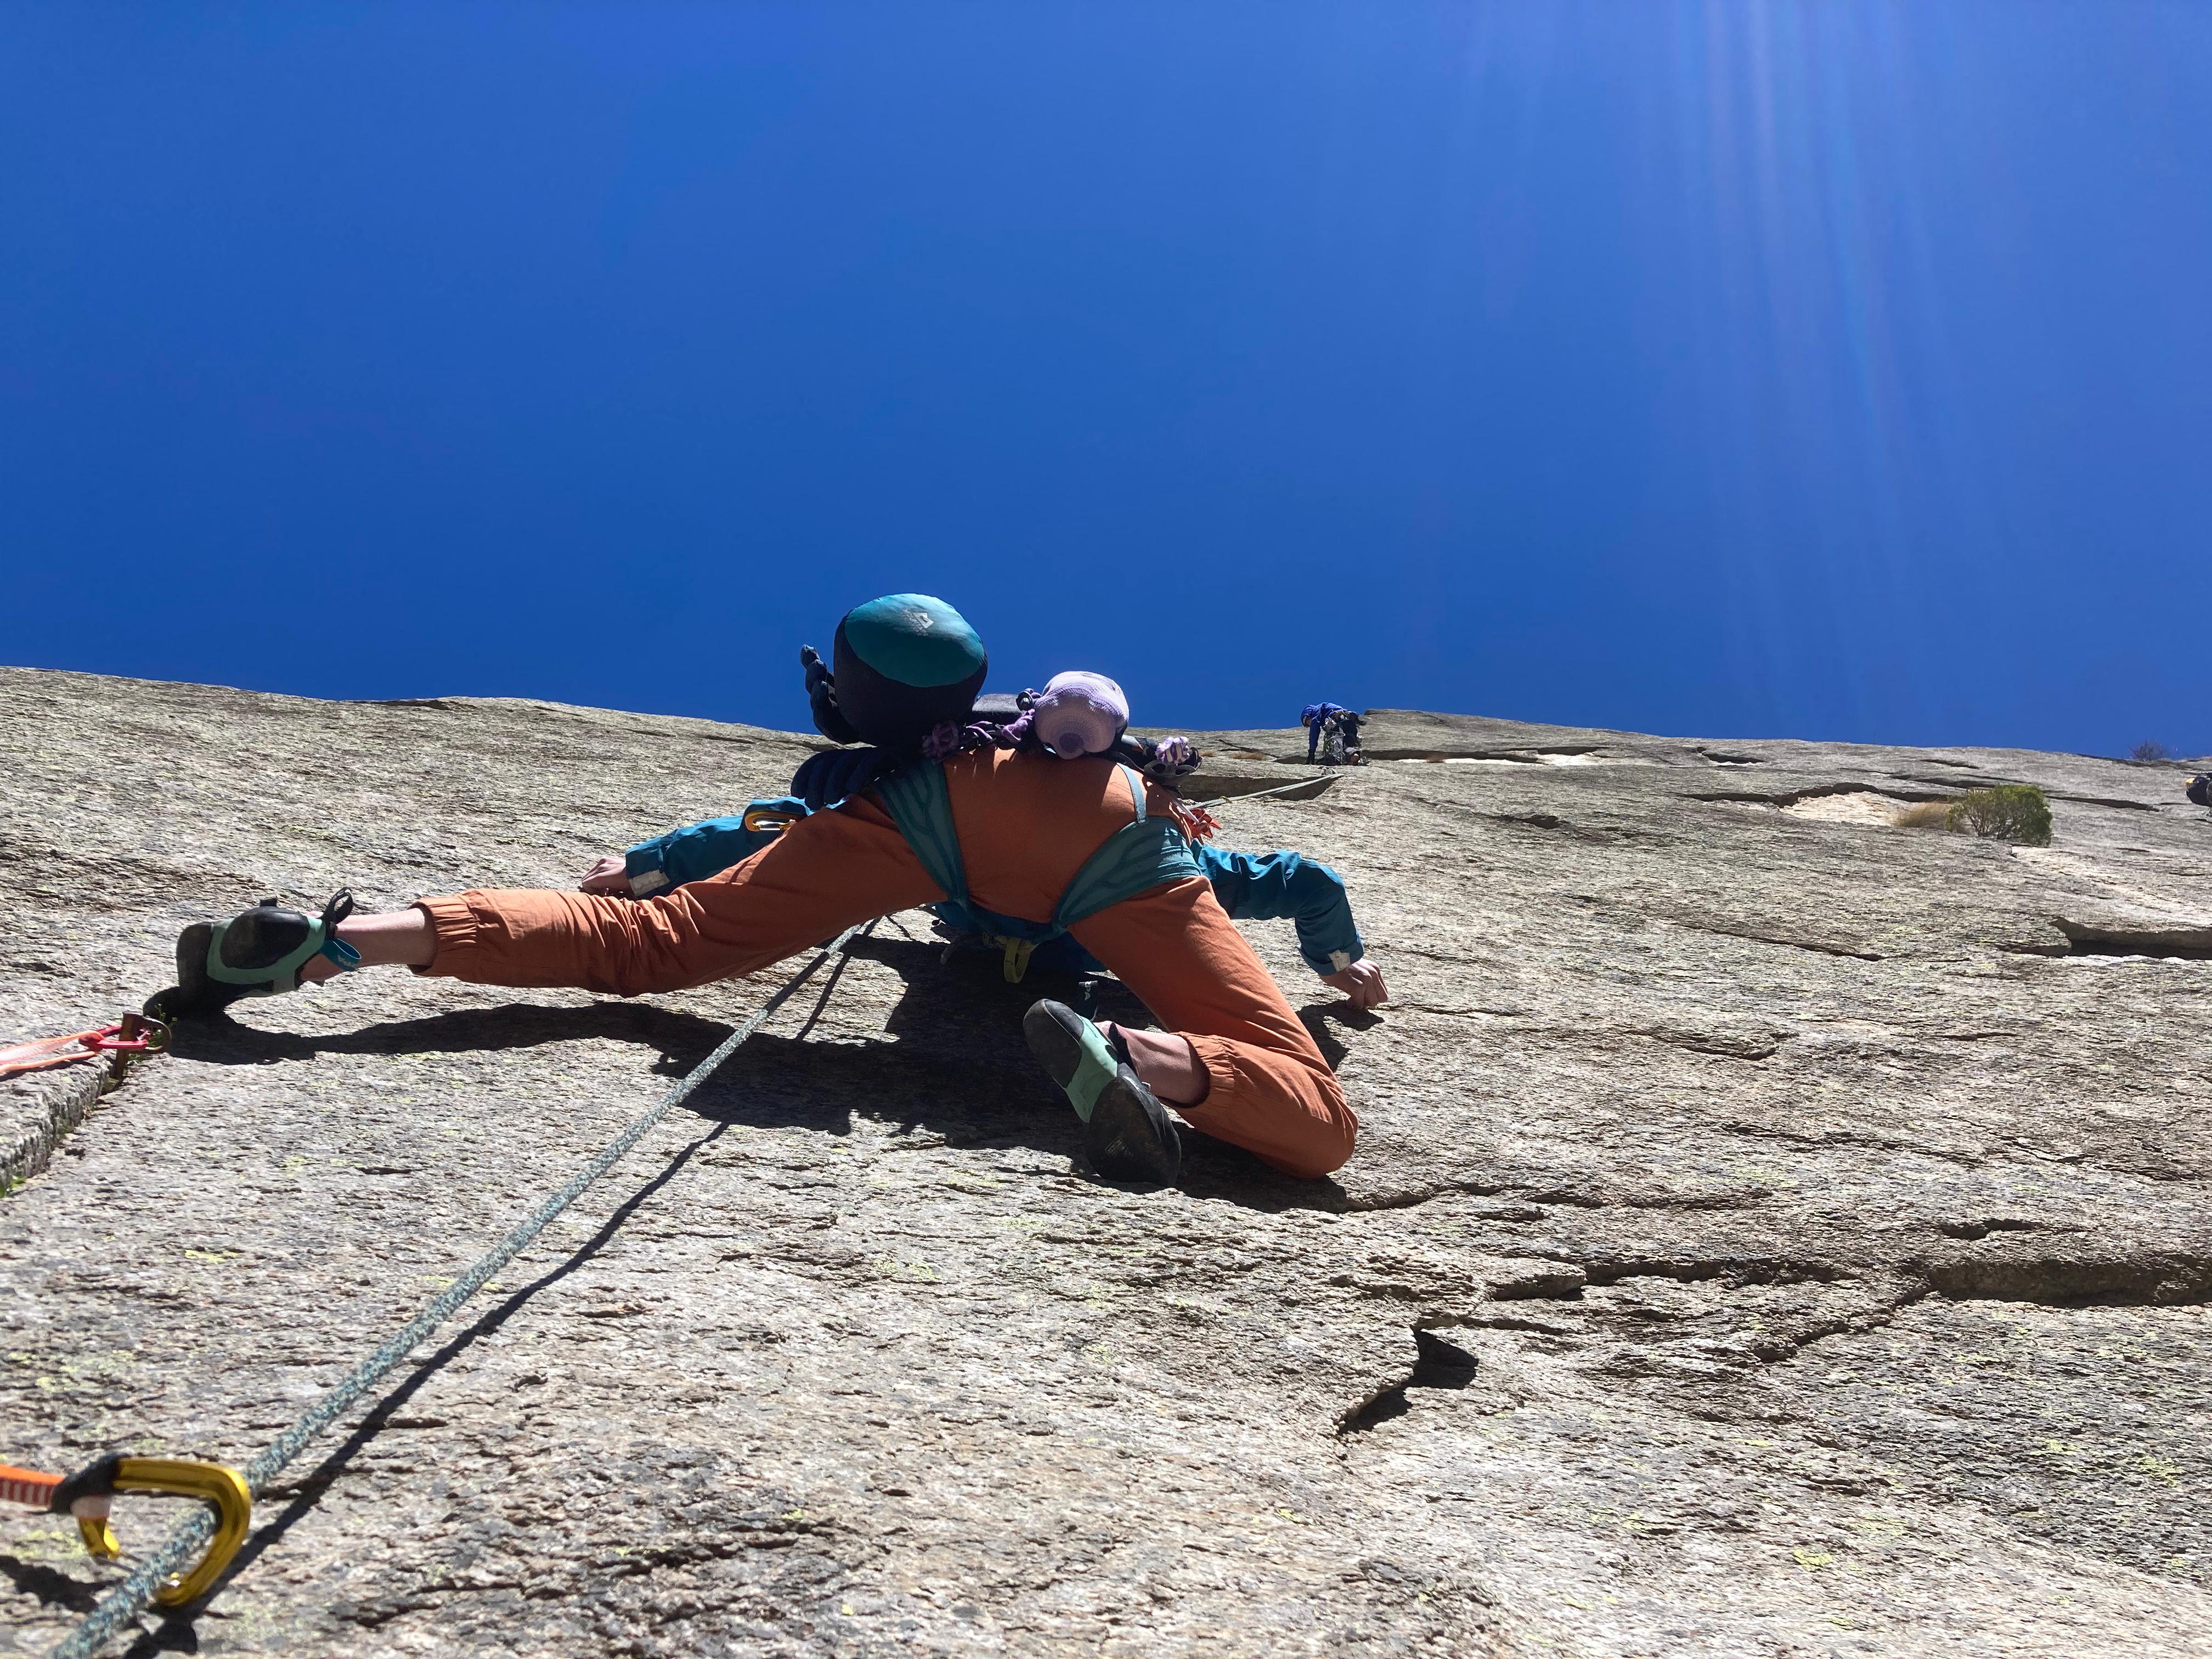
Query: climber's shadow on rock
{"x": 1318, "y": 1017}
{"x": 1315, "y": 1019}
{"x": 682, "y": 1039}
{"x": 951, "y": 1063}
{"x": 956, "y": 1066}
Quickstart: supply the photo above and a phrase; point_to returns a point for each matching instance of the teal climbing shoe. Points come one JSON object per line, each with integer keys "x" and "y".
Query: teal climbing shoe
{"x": 1128, "y": 1134}
{"x": 256, "y": 953}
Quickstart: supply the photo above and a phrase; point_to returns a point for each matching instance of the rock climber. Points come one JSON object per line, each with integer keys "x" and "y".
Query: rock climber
{"x": 1028, "y": 843}
{"x": 2200, "y": 789}
{"x": 1332, "y": 734}
{"x": 1077, "y": 713}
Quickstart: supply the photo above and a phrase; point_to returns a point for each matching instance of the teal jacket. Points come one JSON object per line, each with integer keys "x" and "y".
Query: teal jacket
{"x": 1250, "y": 886}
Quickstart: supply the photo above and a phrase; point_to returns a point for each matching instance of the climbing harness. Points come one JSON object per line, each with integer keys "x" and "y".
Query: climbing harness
{"x": 153, "y": 1576}
{"x": 702, "y": 849}
{"x": 970, "y": 926}
{"x": 129, "y": 1038}
{"x": 1143, "y": 854}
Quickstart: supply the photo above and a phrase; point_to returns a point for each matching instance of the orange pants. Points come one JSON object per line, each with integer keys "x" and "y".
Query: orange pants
{"x": 1026, "y": 823}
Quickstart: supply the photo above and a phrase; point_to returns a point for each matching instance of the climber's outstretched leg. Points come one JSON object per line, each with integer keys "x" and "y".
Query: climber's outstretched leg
{"x": 823, "y": 875}
{"x": 272, "y": 948}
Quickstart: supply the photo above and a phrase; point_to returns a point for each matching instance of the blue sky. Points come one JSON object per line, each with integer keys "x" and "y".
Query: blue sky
{"x": 1833, "y": 371}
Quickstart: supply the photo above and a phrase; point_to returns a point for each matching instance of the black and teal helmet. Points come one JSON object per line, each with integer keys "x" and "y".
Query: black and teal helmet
{"x": 905, "y": 664}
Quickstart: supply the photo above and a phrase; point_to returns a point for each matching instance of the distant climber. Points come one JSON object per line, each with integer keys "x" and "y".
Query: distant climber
{"x": 2200, "y": 789}
{"x": 1332, "y": 734}
{"x": 939, "y": 809}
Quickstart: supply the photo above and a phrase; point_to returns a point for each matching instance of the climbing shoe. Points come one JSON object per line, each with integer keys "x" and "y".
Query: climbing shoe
{"x": 1128, "y": 1134}
{"x": 256, "y": 953}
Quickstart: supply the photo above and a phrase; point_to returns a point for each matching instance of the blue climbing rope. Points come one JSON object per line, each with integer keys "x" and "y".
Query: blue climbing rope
{"x": 128, "y": 1598}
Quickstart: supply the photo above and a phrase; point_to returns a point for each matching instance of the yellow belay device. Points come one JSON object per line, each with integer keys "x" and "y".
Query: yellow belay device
{"x": 87, "y": 1495}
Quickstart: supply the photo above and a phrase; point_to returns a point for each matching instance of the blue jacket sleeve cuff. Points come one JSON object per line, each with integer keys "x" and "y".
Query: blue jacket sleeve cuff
{"x": 700, "y": 850}
{"x": 645, "y": 865}
{"x": 1335, "y": 961}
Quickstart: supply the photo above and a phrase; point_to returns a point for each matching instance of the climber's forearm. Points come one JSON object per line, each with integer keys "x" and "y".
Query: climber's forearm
{"x": 698, "y": 850}
{"x": 1285, "y": 885}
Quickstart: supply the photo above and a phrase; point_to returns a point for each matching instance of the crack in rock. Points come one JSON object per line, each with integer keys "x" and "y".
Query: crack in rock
{"x": 1437, "y": 1364}
{"x": 2094, "y": 939}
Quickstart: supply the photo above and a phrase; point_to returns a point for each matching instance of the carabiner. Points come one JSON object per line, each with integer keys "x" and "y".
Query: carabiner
{"x": 774, "y": 820}
{"x": 87, "y": 1495}
{"x": 137, "y": 1033}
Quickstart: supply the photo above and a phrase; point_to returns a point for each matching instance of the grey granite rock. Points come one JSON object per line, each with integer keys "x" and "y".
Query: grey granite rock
{"x": 1775, "y": 1231}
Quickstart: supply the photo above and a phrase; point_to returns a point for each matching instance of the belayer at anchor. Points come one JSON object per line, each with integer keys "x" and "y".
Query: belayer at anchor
{"x": 1332, "y": 734}
{"x": 940, "y": 807}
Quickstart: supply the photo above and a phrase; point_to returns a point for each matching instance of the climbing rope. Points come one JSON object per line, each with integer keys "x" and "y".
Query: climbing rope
{"x": 1258, "y": 794}
{"x": 130, "y": 1597}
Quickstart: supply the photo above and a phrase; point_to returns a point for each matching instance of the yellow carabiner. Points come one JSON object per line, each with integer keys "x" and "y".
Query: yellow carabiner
{"x": 773, "y": 819}
{"x": 1017, "y": 963}
{"x": 221, "y": 1487}
{"x": 86, "y": 1494}
{"x": 99, "y": 1537}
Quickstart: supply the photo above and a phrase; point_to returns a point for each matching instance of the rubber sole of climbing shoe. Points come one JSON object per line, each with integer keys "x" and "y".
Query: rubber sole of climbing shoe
{"x": 196, "y": 993}
{"x": 1131, "y": 1136}
{"x": 1128, "y": 1134}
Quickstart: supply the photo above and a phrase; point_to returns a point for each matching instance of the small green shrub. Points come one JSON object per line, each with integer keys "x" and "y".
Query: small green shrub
{"x": 2010, "y": 812}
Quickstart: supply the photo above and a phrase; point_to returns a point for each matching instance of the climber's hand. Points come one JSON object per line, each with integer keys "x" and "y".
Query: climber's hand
{"x": 1361, "y": 983}
{"x": 607, "y": 875}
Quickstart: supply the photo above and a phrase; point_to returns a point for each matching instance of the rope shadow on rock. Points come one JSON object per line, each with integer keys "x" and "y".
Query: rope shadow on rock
{"x": 177, "y": 1632}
